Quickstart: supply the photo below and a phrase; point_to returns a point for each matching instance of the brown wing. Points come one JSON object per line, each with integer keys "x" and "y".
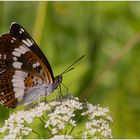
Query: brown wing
{"x": 7, "y": 95}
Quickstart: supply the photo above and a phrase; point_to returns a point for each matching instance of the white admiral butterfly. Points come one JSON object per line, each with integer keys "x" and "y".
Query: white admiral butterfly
{"x": 25, "y": 73}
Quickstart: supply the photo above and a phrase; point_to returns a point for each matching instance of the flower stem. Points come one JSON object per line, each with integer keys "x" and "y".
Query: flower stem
{"x": 43, "y": 122}
{"x": 71, "y": 130}
{"x": 41, "y": 137}
{"x": 74, "y": 126}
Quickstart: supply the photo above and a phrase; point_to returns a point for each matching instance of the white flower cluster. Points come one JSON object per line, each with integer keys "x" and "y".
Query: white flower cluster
{"x": 63, "y": 114}
{"x": 98, "y": 124}
{"x": 60, "y": 117}
{"x": 17, "y": 124}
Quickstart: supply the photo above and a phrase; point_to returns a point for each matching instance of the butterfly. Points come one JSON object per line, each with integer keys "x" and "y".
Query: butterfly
{"x": 25, "y": 73}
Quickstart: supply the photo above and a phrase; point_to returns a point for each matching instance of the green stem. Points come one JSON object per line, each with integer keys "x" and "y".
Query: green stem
{"x": 43, "y": 122}
{"x": 37, "y": 134}
{"x": 71, "y": 130}
{"x": 74, "y": 126}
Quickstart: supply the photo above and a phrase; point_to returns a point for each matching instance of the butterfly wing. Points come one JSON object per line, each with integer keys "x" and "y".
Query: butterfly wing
{"x": 21, "y": 67}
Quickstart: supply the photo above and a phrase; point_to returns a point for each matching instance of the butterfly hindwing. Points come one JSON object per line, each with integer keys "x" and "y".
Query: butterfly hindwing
{"x": 7, "y": 94}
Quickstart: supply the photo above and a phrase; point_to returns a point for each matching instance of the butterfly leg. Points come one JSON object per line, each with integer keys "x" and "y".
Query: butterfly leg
{"x": 68, "y": 94}
{"x": 67, "y": 90}
{"x": 60, "y": 95}
{"x": 45, "y": 100}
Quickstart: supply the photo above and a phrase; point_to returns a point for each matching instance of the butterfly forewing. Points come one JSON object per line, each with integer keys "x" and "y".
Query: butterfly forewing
{"x": 5, "y": 53}
{"x": 20, "y": 33}
{"x": 23, "y": 66}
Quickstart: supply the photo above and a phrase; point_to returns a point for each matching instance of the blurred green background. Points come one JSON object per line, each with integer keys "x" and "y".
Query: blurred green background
{"x": 108, "y": 75}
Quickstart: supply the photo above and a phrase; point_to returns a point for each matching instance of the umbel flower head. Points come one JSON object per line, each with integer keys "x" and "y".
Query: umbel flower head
{"x": 64, "y": 119}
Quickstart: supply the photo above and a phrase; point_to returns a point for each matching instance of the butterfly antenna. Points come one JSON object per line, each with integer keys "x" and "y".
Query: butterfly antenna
{"x": 70, "y": 67}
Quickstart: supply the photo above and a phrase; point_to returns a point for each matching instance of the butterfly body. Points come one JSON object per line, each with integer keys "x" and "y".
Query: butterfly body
{"x": 25, "y": 73}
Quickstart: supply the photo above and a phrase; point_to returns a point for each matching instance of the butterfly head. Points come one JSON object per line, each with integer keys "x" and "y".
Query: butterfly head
{"x": 57, "y": 81}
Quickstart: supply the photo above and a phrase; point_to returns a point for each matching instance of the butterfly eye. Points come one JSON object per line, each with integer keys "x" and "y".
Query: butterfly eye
{"x": 59, "y": 79}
